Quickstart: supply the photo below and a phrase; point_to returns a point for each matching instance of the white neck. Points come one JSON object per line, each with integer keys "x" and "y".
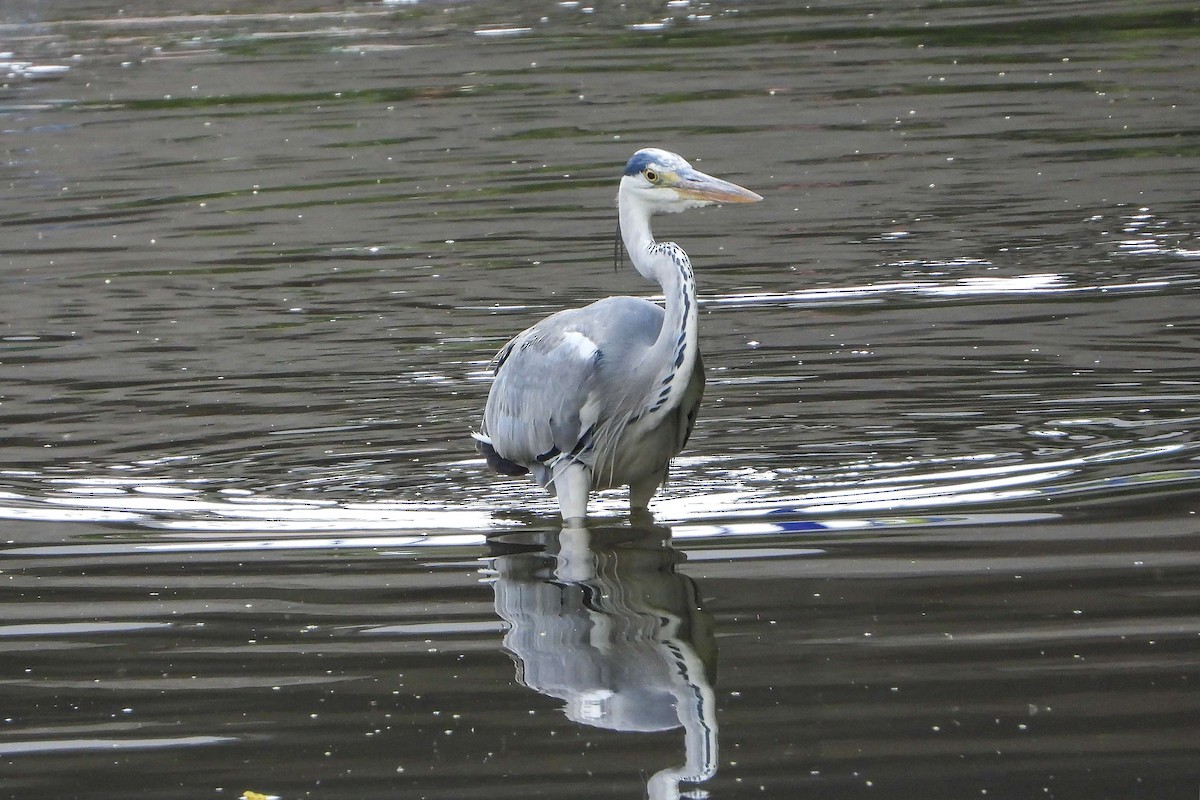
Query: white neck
{"x": 667, "y": 366}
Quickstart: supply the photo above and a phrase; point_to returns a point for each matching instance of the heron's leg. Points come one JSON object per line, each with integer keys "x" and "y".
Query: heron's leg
{"x": 572, "y": 481}
{"x": 642, "y": 490}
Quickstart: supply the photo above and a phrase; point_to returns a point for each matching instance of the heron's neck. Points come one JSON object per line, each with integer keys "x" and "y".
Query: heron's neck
{"x": 667, "y": 367}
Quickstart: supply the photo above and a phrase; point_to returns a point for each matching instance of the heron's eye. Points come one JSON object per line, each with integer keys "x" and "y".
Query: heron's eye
{"x": 651, "y": 175}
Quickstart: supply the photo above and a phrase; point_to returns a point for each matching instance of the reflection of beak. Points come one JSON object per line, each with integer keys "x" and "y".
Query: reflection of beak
{"x": 698, "y": 186}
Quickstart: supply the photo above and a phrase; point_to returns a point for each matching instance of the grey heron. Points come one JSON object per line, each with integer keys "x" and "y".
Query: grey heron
{"x": 606, "y": 395}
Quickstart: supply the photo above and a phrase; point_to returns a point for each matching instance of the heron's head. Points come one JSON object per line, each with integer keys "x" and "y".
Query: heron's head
{"x": 664, "y": 182}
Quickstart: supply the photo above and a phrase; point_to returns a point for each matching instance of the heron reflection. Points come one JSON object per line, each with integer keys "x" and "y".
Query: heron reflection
{"x": 601, "y": 619}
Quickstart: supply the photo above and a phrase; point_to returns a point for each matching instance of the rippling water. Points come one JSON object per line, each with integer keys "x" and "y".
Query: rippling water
{"x": 934, "y": 536}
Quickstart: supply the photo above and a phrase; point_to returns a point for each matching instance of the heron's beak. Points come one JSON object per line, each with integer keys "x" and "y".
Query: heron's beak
{"x": 695, "y": 185}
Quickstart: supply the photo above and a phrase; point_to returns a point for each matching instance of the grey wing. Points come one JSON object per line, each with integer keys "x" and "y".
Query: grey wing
{"x": 544, "y": 400}
{"x": 553, "y": 385}
{"x": 690, "y": 407}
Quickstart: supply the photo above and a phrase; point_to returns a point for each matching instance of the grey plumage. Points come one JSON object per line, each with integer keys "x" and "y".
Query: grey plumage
{"x": 607, "y": 395}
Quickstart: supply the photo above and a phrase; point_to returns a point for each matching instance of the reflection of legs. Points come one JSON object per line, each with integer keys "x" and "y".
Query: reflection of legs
{"x": 571, "y": 483}
{"x": 576, "y": 562}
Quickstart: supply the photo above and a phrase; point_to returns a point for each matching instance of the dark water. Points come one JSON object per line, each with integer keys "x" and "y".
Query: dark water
{"x": 936, "y": 534}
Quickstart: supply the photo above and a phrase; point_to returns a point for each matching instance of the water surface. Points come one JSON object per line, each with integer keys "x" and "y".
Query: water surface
{"x": 934, "y": 536}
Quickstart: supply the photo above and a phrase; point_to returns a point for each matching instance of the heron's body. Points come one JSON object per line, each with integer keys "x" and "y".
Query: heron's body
{"x": 580, "y": 357}
{"x": 606, "y": 395}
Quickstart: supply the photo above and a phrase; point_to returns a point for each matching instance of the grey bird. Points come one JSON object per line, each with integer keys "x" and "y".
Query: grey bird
{"x": 606, "y": 395}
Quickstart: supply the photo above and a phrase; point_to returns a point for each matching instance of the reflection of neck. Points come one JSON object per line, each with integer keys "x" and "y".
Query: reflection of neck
{"x": 696, "y": 705}
{"x": 695, "y": 701}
